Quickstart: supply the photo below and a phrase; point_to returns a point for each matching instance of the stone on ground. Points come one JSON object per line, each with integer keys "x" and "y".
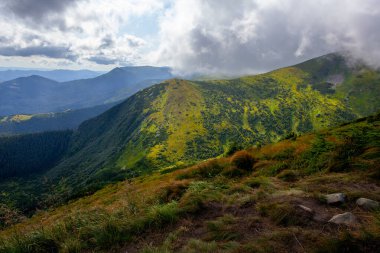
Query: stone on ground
{"x": 335, "y": 198}
{"x": 345, "y": 218}
{"x": 367, "y": 204}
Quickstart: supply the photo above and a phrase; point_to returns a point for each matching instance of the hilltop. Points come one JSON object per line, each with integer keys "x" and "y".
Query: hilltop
{"x": 264, "y": 199}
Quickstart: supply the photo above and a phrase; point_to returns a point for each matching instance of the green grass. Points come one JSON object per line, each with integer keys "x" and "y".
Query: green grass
{"x": 185, "y": 122}
{"x": 201, "y": 209}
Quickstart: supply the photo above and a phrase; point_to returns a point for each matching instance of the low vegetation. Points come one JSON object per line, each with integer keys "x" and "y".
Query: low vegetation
{"x": 252, "y": 201}
{"x": 179, "y": 123}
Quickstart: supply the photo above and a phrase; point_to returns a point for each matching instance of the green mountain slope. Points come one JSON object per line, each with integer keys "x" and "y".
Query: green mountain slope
{"x": 180, "y": 122}
{"x": 267, "y": 199}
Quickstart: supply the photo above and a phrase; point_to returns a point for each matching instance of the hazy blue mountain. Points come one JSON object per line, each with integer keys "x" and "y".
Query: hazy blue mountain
{"x": 59, "y": 75}
{"x": 34, "y": 123}
{"x": 36, "y": 94}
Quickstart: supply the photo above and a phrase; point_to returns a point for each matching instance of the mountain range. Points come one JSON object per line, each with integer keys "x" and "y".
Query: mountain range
{"x": 36, "y": 94}
{"x": 179, "y": 122}
{"x": 59, "y": 75}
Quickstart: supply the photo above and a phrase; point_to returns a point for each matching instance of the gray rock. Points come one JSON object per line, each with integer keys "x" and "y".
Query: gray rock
{"x": 335, "y": 198}
{"x": 306, "y": 209}
{"x": 345, "y": 218}
{"x": 367, "y": 204}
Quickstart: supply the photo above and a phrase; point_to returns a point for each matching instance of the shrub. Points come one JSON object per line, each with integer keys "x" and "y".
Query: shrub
{"x": 208, "y": 169}
{"x": 316, "y": 157}
{"x": 342, "y": 155}
{"x": 9, "y": 216}
{"x": 243, "y": 160}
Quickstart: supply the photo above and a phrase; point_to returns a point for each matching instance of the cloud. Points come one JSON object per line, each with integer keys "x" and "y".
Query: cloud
{"x": 102, "y": 60}
{"x": 204, "y": 36}
{"x": 38, "y": 12}
{"x": 83, "y": 32}
{"x": 48, "y": 51}
{"x": 247, "y": 36}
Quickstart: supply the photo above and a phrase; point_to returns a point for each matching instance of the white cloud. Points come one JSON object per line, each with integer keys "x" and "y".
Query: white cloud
{"x": 247, "y": 36}
{"x": 206, "y": 36}
{"x": 91, "y": 32}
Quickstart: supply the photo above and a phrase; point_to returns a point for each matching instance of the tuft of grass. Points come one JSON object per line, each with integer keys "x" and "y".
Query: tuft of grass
{"x": 161, "y": 215}
{"x": 284, "y": 154}
{"x": 196, "y": 246}
{"x": 174, "y": 191}
{"x": 243, "y": 160}
{"x": 288, "y": 175}
{"x": 222, "y": 229}
{"x": 284, "y": 214}
{"x": 208, "y": 169}
{"x": 197, "y": 195}
{"x": 275, "y": 169}
{"x": 256, "y": 182}
{"x": 35, "y": 242}
{"x": 233, "y": 171}
{"x": 93, "y": 230}
{"x": 349, "y": 243}
{"x": 73, "y": 245}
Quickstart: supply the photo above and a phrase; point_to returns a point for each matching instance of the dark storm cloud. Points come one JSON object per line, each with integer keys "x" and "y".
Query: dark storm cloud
{"x": 36, "y": 10}
{"x": 48, "y": 51}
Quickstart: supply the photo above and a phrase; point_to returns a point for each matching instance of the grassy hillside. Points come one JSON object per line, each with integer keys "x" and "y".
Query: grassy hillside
{"x": 248, "y": 202}
{"x": 179, "y": 122}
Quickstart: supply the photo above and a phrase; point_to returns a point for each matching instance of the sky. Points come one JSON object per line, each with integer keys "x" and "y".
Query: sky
{"x": 213, "y": 37}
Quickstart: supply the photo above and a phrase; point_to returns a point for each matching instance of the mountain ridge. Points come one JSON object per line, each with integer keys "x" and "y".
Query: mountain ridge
{"x": 180, "y": 122}
{"x": 249, "y": 110}
{"x": 51, "y": 96}
{"x": 59, "y": 75}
